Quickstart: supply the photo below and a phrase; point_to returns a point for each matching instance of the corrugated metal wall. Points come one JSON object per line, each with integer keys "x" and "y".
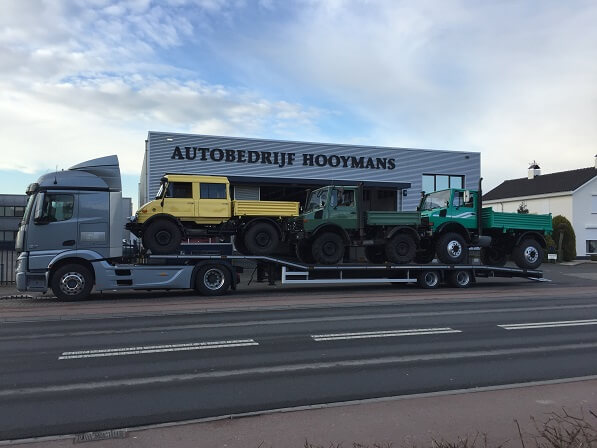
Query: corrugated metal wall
{"x": 410, "y": 164}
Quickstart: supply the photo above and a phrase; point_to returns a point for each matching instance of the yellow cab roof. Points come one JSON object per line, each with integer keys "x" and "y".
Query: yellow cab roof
{"x": 196, "y": 178}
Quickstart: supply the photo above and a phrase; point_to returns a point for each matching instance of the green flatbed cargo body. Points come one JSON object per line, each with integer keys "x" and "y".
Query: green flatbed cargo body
{"x": 519, "y": 221}
{"x": 384, "y": 218}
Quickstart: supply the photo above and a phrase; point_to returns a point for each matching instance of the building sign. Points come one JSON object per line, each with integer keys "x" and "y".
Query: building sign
{"x": 281, "y": 158}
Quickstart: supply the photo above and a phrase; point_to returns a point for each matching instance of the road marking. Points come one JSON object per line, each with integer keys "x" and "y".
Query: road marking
{"x": 562, "y": 323}
{"x": 381, "y": 334}
{"x": 310, "y": 368}
{"x": 156, "y": 349}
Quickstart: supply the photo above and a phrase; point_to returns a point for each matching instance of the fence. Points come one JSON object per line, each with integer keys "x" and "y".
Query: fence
{"x": 8, "y": 260}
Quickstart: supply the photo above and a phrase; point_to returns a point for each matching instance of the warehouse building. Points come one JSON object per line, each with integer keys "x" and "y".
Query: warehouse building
{"x": 283, "y": 170}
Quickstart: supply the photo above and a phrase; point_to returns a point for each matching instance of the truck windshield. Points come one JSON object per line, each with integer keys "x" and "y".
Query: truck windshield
{"x": 28, "y": 208}
{"x": 438, "y": 199}
{"x": 317, "y": 199}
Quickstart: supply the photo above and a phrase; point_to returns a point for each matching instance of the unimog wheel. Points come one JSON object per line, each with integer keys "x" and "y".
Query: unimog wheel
{"x": 262, "y": 238}
{"x": 528, "y": 254}
{"x": 304, "y": 252}
{"x": 162, "y": 237}
{"x": 452, "y": 249}
{"x": 328, "y": 248}
{"x": 401, "y": 248}
{"x": 492, "y": 256}
{"x": 375, "y": 254}
{"x": 71, "y": 282}
{"x": 424, "y": 256}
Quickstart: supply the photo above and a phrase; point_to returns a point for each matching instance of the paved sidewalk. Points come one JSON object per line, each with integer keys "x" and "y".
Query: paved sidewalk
{"x": 403, "y": 422}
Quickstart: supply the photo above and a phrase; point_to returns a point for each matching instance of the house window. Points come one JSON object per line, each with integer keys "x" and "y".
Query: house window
{"x": 213, "y": 191}
{"x": 591, "y": 246}
{"x": 436, "y": 182}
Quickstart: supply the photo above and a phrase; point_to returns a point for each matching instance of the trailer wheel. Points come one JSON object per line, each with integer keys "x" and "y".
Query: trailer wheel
{"x": 492, "y": 256}
{"x": 460, "y": 278}
{"x": 71, "y": 282}
{"x": 528, "y": 254}
{"x": 375, "y": 254}
{"x": 328, "y": 248}
{"x": 401, "y": 248}
{"x": 162, "y": 237}
{"x": 429, "y": 279}
{"x": 212, "y": 280}
{"x": 262, "y": 238}
{"x": 452, "y": 248}
{"x": 303, "y": 252}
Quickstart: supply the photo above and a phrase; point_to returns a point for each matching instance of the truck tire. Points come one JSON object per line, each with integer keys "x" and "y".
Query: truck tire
{"x": 428, "y": 279}
{"x": 239, "y": 244}
{"x": 328, "y": 248}
{"x": 304, "y": 252}
{"x": 71, "y": 282}
{"x": 452, "y": 249}
{"x": 528, "y": 254}
{"x": 424, "y": 256}
{"x": 375, "y": 254}
{"x": 460, "y": 278}
{"x": 162, "y": 237}
{"x": 262, "y": 238}
{"x": 492, "y": 256}
{"x": 401, "y": 248}
{"x": 212, "y": 280}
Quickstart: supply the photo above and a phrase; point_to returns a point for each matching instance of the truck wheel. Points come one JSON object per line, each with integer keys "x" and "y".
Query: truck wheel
{"x": 303, "y": 252}
{"x": 328, "y": 248}
{"x": 375, "y": 254}
{"x": 428, "y": 279}
{"x": 262, "y": 238}
{"x": 460, "y": 278}
{"x": 239, "y": 244}
{"x": 212, "y": 280}
{"x": 491, "y": 256}
{"x": 424, "y": 256}
{"x": 401, "y": 248}
{"x": 528, "y": 254}
{"x": 452, "y": 248}
{"x": 162, "y": 237}
{"x": 71, "y": 282}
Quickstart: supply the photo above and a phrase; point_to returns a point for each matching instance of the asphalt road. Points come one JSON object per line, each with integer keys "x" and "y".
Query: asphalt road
{"x": 91, "y": 373}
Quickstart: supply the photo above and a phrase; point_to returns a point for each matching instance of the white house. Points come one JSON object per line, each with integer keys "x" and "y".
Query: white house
{"x": 572, "y": 194}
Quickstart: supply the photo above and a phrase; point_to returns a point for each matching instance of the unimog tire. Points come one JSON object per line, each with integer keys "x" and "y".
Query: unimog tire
{"x": 262, "y": 238}
{"x": 425, "y": 256}
{"x": 304, "y": 251}
{"x": 491, "y": 256}
{"x": 528, "y": 254}
{"x": 375, "y": 254}
{"x": 401, "y": 248}
{"x": 71, "y": 282}
{"x": 328, "y": 248}
{"x": 162, "y": 237}
{"x": 452, "y": 249}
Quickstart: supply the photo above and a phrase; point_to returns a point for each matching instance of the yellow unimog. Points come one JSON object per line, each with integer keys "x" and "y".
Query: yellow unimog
{"x": 195, "y": 206}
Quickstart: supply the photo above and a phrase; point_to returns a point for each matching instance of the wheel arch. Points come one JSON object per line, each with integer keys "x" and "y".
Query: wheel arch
{"x": 165, "y": 216}
{"x": 251, "y": 222}
{"x": 403, "y": 229}
{"x": 333, "y": 228}
{"x": 454, "y": 227}
{"x": 531, "y": 235}
{"x": 56, "y": 264}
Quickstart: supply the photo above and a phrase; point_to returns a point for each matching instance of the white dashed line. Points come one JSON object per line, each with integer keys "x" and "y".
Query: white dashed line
{"x": 563, "y": 323}
{"x": 381, "y": 334}
{"x": 156, "y": 349}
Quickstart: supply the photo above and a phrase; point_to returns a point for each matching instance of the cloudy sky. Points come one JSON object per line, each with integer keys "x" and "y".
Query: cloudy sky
{"x": 514, "y": 80}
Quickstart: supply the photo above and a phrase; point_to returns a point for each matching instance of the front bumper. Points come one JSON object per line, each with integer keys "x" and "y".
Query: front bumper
{"x": 29, "y": 281}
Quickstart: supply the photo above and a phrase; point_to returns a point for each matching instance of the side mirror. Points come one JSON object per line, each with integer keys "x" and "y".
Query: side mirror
{"x": 467, "y": 197}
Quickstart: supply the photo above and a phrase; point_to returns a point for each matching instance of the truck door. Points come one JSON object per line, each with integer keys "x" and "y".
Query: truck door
{"x": 53, "y": 223}
{"x": 463, "y": 208}
{"x": 179, "y": 201}
{"x": 213, "y": 200}
{"x": 342, "y": 208}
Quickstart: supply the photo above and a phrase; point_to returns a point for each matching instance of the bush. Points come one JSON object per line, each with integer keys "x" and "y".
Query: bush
{"x": 562, "y": 225}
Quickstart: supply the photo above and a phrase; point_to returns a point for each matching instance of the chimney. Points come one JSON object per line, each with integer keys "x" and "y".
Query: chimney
{"x": 534, "y": 170}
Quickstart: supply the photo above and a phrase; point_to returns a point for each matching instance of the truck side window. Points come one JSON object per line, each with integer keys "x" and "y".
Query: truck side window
{"x": 180, "y": 190}
{"x": 458, "y": 199}
{"x": 212, "y": 191}
{"x": 57, "y": 207}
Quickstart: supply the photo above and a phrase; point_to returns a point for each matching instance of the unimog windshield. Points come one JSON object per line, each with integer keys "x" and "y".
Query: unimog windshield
{"x": 317, "y": 199}
{"x": 439, "y": 199}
